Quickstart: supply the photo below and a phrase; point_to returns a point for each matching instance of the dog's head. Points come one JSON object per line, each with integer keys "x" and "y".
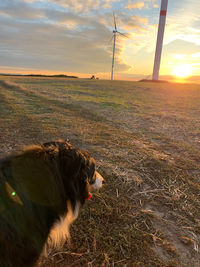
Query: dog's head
{"x": 78, "y": 170}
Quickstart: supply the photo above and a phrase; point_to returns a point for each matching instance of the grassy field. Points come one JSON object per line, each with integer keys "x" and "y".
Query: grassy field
{"x": 146, "y": 141}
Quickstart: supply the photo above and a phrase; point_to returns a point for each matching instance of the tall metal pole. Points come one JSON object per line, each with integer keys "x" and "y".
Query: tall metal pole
{"x": 113, "y": 59}
{"x": 160, "y": 35}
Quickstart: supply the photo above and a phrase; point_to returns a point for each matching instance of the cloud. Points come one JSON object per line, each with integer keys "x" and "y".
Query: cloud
{"x": 183, "y": 22}
{"x": 180, "y": 30}
{"x": 63, "y": 40}
{"x": 182, "y": 47}
{"x": 32, "y": 1}
{"x": 106, "y": 4}
{"x": 196, "y": 55}
{"x": 85, "y": 6}
{"x": 66, "y": 19}
{"x": 78, "y": 5}
{"x": 138, "y": 5}
{"x": 142, "y": 4}
{"x": 53, "y": 44}
{"x": 125, "y": 22}
{"x": 20, "y": 10}
{"x": 134, "y": 22}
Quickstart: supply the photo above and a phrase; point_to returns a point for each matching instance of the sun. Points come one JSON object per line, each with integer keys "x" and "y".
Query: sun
{"x": 182, "y": 71}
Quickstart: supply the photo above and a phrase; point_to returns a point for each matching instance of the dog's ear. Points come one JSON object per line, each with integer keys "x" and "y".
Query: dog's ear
{"x": 84, "y": 165}
{"x": 88, "y": 169}
{"x": 77, "y": 169}
{"x": 76, "y": 162}
{"x": 86, "y": 176}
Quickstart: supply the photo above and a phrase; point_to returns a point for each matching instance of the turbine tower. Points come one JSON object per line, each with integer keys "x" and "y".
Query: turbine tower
{"x": 160, "y": 35}
{"x": 115, "y": 32}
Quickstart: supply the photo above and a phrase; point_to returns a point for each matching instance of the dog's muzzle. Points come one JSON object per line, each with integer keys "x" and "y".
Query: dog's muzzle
{"x": 98, "y": 183}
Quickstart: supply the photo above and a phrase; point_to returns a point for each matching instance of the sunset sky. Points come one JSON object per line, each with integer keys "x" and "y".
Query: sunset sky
{"x": 74, "y": 37}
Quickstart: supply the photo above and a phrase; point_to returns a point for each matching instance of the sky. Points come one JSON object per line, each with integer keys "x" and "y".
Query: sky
{"x": 74, "y": 37}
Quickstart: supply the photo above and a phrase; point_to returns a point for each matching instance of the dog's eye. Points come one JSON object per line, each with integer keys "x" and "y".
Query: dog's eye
{"x": 93, "y": 179}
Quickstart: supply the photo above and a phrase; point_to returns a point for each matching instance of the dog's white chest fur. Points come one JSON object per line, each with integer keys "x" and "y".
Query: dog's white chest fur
{"x": 60, "y": 231}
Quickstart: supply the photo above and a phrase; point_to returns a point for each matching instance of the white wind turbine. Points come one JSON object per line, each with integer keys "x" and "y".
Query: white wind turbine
{"x": 160, "y": 35}
{"x": 115, "y": 32}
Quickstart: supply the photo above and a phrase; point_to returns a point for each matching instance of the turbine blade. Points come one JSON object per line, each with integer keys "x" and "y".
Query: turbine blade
{"x": 114, "y": 21}
{"x": 110, "y": 39}
{"x": 122, "y": 34}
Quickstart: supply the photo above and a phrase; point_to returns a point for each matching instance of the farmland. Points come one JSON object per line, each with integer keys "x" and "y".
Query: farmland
{"x": 146, "y": 141}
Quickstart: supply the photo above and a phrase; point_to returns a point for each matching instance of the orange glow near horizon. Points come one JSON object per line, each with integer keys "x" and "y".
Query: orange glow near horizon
{"x": 23, "y": 71}
{"x": 177, "y": 73}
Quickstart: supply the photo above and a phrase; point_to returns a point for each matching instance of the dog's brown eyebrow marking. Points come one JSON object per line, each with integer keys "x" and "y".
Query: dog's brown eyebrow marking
{"x": 12, "y": 194}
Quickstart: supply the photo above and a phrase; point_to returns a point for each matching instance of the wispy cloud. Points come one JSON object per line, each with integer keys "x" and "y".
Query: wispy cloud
{"x": 134, "y": 22}
{"x": 79, "y": 5}
{"x": 19, "y": 9}
{"x": 137, "y": 5}
{"x": 107, "y": 4}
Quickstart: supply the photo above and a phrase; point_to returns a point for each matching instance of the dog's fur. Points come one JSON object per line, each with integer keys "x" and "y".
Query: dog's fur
{"x": 41, "y": 191}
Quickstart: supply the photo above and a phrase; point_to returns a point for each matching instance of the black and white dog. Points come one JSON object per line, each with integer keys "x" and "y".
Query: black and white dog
{"x": 41, "y": 191}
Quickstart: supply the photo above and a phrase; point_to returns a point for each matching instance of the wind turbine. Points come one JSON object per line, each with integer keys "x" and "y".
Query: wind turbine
{"x": 115, "y": 32}
{"x": 160, "y": 35}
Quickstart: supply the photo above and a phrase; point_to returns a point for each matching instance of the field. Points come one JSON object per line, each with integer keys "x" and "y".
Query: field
{"x": 146, "y": 141}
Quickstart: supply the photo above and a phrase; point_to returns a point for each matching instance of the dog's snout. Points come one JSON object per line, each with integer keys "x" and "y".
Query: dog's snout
{"x": 99, "y": 181}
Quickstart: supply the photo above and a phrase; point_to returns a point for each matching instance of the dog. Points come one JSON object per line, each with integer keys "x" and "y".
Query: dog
{"x": 41, "y": 192}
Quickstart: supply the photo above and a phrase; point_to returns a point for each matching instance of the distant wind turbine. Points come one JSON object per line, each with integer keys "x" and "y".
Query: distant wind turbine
{"x": 115, "y": 32}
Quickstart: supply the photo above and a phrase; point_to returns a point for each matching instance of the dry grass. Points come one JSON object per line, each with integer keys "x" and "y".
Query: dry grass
{"x": 146, "y": 140}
